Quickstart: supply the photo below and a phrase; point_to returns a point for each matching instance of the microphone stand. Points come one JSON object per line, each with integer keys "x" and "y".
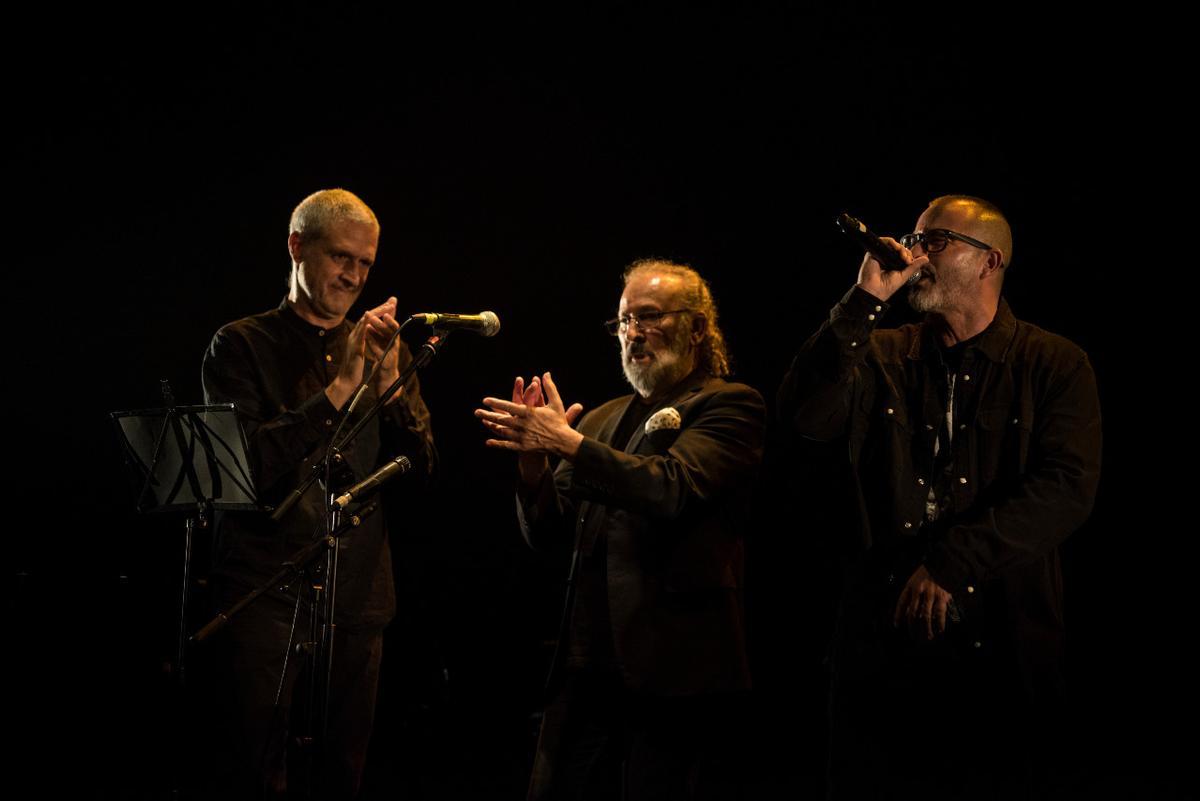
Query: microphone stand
{"x": 326, "y": 600}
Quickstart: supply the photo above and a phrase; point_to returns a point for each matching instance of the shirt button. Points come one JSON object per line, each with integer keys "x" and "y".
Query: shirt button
{"x": 321, "y": 333}
{"x": 978, "y": 644}
{"x": 328, "y": 422}
{"x": 891, "y": 410}
{"x": 970, "y": 589}
{"x": 878, "y": 308}
{"x": 928, "y": 427}
{"x": 966, "y": 377}
{"x": 908, "y": 525}
{"x": 921, "y": 481}
{"x": 962, "y": 479}
{"x": 870, "y": 317}
{"x": 328, "y": 357}
{"x": 1016, "y": 420}
{"x": 854, "y": 344}
{"x": 962, "y": 426}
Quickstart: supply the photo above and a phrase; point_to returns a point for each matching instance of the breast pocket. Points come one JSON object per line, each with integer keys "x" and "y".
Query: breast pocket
{"x": 1001, "y": 444}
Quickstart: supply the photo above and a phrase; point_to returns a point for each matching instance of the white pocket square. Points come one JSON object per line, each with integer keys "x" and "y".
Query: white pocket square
{"x": 666, "y": 418}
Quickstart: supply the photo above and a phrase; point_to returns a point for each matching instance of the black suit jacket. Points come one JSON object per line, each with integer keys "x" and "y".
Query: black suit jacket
{"x": 673, "y": 506}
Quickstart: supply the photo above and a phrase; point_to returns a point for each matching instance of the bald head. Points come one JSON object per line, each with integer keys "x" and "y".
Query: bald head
{"x": 976, "y": 218}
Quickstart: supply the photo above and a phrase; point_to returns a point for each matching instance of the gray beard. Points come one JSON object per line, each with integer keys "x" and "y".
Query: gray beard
{"x": 923, "y": 300}
{"x": 661, "y": 373}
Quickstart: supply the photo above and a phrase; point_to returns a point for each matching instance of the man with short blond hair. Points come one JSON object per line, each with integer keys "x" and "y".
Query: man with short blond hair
{"x": 290, "y": 372}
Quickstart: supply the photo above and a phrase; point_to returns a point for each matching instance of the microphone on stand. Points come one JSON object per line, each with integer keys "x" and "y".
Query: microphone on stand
{"x": 485, "y": 323}
{"x": 396, "y": 466}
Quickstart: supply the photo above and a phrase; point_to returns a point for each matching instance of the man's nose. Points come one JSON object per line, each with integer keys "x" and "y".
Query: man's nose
{"x": 355, "y": 274}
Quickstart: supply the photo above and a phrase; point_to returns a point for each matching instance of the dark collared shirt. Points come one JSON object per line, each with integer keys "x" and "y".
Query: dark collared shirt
{"x": 275, "y": 367}
{"x": 1020, "y": 474}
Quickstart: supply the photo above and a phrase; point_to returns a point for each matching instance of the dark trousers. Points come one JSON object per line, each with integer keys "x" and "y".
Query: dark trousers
{"x": 253, "y": 762}
{"x": 938, "y": 720}
{"x": 601, "y": 741}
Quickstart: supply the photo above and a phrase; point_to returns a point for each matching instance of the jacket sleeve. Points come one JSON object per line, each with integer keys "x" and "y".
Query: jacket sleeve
{"x": 815, "y": 397}
{"x": 717, "y": 451}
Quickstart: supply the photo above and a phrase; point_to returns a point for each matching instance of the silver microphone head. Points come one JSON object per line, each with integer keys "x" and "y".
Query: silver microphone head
{"x": 491, "y": 323}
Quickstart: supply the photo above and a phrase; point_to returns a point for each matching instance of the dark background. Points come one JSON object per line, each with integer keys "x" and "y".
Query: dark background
{"x": 517, "y": 159}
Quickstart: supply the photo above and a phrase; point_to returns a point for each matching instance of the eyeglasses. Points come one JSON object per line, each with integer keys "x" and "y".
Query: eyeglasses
{"x": 935, "y": 240}
{"x": 647, "y": 321}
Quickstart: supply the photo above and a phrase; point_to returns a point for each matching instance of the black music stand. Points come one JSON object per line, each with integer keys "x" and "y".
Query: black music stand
{"x": 189, "y": 459}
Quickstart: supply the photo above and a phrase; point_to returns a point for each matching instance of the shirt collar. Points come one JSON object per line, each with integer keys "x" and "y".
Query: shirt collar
{"x": 307, "y": 329}
{"x": 993, "y": 342}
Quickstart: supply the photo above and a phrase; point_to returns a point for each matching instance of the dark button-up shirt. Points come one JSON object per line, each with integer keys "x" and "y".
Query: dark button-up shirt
{"x": 1020, "y": 476}
{"x": 274, "y": 367}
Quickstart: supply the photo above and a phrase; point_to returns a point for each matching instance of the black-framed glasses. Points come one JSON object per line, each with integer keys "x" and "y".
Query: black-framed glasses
{"x": 647, "y": 321}
{"x": 935, "y": 240}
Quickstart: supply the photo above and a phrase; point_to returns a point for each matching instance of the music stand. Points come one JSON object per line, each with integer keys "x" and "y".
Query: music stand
{"x": 188, "y": 459}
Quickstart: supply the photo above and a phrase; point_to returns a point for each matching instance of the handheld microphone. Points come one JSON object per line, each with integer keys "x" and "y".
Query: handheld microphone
{"x": 485, "y": 323}
{"x": 400, "y": 464}
{"x": 888, "y": 258}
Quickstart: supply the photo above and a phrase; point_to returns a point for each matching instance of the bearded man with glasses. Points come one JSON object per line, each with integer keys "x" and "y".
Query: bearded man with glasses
{"x": 971, "y": 443}
{"x": 650, "y": 500}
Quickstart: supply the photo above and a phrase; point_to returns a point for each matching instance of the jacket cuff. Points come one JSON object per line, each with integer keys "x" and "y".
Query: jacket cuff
{"x": 855, "y": 316}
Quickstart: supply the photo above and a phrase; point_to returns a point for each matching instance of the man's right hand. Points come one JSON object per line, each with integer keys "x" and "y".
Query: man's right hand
{"x": 884, "y": 283}
{"x": 350, "y": 374}
{"x": 534, "y": 425}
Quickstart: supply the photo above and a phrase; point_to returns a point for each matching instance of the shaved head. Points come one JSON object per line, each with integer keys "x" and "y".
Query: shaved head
{"x": 982, "y": 220}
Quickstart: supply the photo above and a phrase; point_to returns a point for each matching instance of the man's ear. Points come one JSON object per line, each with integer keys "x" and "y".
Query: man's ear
{"x": 994, "y": 261}
{"x": 699, "y": 328}
{"x": 294, "y": 246}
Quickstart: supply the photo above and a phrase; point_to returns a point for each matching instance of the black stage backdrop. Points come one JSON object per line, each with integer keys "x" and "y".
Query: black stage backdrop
{"x": 517, "y": 160}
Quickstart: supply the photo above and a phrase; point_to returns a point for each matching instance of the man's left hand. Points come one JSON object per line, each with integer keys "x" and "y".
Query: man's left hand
{"x": 921, "y": 602}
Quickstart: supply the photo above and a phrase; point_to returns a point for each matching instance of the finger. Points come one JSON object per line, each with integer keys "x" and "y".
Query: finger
{"x": 387, "y": 307}
{"x": 511, "y": 445}
{"x": 927, "y": 615}
{"x": 518, "y": 393}
{"x": 533, "y": 397}
{"x": 358, "y": 330}
{"x": 495, "y": 417}
{"x": 515, "y": 409}
{"x": 385, "y": 324}
{"x": 503, "y": 432}
{"x": 904, "y": 252}
{"x": 913, "y": 267}
{"x": 553, "y": 400}
{"x": 573, "y": 413}
{"x": 939, "y": 610}
{"x": 901, "y": 608}
{"x": 356, "y": 343}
